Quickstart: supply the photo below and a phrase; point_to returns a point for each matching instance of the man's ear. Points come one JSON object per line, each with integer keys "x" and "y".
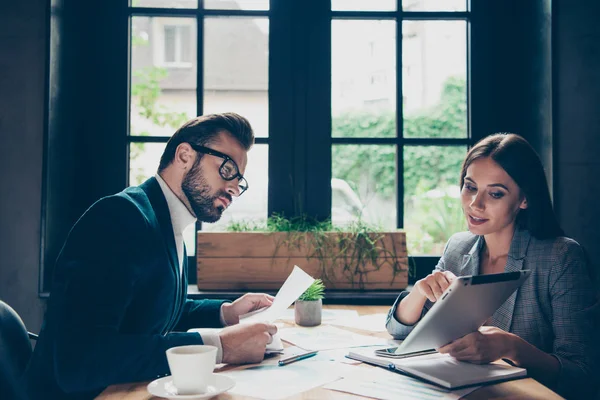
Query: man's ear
{"x": 523, "y": 204}
{"x": 184, "y": 156}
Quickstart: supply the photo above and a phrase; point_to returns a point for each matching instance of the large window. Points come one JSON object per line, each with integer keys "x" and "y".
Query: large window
{"x": 362, "y": 108}
{"x": 398, "y": 129}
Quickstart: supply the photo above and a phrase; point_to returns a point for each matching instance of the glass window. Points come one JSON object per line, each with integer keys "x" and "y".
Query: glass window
{"x": 236, "y": 68}
{"x": 163, "y": 74}
{"x": 434, "y": 69}
{"x": 364, "y": 185}
{"x": 165, "y": 3}
{"x": 432, "y": 208}
{"x": 434, "y": 5}
{"x": 363, "y": 5}
{"x": 236, "y": 4}
{"x": 363, "y": 78}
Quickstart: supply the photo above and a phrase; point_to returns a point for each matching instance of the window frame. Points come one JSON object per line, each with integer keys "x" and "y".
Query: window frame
{"x": 319, "y": 95}
{"x": 299, "y": 109}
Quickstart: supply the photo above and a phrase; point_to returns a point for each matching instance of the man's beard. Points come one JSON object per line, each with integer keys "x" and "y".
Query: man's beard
{"x": 197, "y": 191}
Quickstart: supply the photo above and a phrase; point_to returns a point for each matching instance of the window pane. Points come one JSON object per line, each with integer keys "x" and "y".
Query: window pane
{"x": 165, "y": 3}
{"x": 163, "y": 75}
{"x": 434, "y": 79}
{"x": 363, "y": 78}
{"x": 236, "y": 68}
{"x": 185, "y": 44}
{"x": 432, "y": 209}
{"x": 236, "y": 4}
{"x": 252, "y": 206}
{"x": 170, "y": 39}
{"x": 362, "y": 188}
{"x": 363, "y": 5}
{"x": 434, "y": 5}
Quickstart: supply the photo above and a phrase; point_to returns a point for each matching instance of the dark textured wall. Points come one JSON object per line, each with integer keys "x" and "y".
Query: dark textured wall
{"x": 576, "y": 51}
{"x": 23, "y": 31}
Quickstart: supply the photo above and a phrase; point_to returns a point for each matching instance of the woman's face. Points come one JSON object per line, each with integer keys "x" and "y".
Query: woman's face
{"x": 491, "y": 199}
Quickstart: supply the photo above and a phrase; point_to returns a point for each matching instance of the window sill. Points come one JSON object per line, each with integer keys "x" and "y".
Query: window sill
{"x": 379, "y": 297}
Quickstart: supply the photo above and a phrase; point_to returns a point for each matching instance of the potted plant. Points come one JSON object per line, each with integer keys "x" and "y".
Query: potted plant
{"x": 308, "y": 307}
{"x": 353, "y": 257}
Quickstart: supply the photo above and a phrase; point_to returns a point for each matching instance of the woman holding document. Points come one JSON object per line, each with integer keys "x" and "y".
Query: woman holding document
{"x": 549, "y": 327}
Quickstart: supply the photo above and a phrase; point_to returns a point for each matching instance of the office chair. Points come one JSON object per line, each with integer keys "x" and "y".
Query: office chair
{"x": 15, "y": 351}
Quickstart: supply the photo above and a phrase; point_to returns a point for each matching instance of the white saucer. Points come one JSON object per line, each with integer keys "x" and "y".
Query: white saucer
{"x": 164, "y": 387}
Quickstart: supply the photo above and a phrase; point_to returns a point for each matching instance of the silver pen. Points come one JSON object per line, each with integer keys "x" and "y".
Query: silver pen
{"x": 297, "y": 357}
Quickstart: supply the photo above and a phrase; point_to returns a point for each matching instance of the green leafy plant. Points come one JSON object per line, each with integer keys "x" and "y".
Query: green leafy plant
{"x": 358, "y": 247}
{"x": 316, "y": 291}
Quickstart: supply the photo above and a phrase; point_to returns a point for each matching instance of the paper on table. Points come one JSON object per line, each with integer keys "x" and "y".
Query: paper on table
{"x": 325, "y": 337}
{"x": 385, "y": 385}
{"x": 275, "y": 382}
{"x": 292, "y": 288}
{"x": 372, "y": 323}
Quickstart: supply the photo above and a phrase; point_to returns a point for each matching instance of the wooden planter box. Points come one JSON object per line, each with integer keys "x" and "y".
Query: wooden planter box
{"x": 261, "y": 261}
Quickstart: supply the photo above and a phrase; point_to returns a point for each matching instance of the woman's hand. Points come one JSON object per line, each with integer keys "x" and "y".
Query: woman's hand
{"x": 434, "y": 284}
{"x": 484, "y": 346}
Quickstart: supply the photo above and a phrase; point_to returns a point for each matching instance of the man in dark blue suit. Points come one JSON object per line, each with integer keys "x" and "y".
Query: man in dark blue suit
{"x": 119, "y": 295}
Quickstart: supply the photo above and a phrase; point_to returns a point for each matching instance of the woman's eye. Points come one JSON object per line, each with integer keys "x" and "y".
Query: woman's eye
{"x": 497, "y": 195}
{"x": 470, "y": 188}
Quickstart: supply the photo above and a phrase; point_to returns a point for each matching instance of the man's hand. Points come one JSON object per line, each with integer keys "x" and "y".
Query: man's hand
{"x": 485, "y": 346}
{"x": 245, "y": 304}
{"x": 246, "y": 343}
{"x": 433, "y": 285}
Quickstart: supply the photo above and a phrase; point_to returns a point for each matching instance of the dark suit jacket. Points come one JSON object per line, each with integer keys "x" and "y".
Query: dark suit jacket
{"x": 556, "y": 309}
{"x": 117, "y": 298}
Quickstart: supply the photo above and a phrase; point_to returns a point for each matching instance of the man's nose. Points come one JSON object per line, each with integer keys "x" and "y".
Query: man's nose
{"x": 233, "y": 188}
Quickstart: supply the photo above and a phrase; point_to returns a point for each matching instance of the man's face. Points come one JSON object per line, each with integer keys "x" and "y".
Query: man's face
{"x": 207, "y": 192}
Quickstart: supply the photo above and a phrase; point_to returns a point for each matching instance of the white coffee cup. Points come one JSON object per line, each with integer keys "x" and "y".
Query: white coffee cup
{"x": 192, "y": 367}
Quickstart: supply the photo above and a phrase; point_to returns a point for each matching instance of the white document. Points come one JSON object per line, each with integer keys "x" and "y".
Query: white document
{"x": 385, "y": 385}
{"x": 272, "y": 382}
{"x": 325, "y": 337}
{"x": 292, "y": 288}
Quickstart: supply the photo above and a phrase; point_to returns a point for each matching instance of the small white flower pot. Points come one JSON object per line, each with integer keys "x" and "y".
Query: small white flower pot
{"x": 308, "y": 313}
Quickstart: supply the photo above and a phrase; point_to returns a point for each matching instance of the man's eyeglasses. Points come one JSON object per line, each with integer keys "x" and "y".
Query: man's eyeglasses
{"x": 228, "y": 170}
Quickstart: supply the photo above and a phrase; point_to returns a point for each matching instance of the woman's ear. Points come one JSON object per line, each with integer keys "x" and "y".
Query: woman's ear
{"x": 523, "y": 204}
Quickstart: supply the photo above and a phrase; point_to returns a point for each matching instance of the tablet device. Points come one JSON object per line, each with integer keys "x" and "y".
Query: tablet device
{"x": 464, "y": 306}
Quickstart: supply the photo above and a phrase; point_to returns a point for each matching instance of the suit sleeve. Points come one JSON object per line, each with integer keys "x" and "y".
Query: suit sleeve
{"x": 200, "y": 314}
{"x": 95, "y": 281}
{"x": 575, "y": 313}
{"x": 397, "y": 329}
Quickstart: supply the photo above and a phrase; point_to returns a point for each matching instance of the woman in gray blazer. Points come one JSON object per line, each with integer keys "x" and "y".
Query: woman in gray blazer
{"x": 548, "y": 326}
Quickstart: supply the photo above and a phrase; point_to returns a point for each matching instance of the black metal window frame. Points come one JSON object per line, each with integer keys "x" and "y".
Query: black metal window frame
{"x": 423, "y": 264}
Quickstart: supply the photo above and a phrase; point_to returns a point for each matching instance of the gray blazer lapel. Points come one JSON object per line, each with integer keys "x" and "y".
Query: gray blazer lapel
{"x": 470, "y": 262}
{"x": 518, "y": 250}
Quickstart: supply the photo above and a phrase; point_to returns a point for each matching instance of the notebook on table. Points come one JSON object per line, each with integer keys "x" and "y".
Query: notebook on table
{"x": 442, "y": 369}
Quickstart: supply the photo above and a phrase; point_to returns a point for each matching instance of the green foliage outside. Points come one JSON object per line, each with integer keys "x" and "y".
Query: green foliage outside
{"x": 316, "y": 291}
{"x": 423, "y": 169}
{"x": 429, "y": 221}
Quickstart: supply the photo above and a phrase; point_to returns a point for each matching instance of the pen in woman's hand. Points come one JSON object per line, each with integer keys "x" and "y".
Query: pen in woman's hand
{"x": 297, "y": 357}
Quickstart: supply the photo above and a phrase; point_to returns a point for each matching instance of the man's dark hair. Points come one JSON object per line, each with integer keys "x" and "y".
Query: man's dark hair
{"x": 516, "y": 156}
{"x": 204, "y": 129}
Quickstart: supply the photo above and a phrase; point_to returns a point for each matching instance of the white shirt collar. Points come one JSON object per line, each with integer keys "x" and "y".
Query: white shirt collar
{"x": 181, "y": 217}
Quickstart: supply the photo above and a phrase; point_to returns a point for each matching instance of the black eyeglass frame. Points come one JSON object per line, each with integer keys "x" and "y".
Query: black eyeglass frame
{"x": 226, "y": 158}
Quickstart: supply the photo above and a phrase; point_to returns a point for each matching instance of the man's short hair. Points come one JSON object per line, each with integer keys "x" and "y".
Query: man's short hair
{"x": 204, "y": 129}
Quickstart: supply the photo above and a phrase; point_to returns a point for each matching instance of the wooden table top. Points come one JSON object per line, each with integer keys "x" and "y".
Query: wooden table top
{"x": 516, "y": 389}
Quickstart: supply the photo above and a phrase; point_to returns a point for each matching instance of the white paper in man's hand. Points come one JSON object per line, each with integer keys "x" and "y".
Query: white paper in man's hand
{"x": 292, "y": 288}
